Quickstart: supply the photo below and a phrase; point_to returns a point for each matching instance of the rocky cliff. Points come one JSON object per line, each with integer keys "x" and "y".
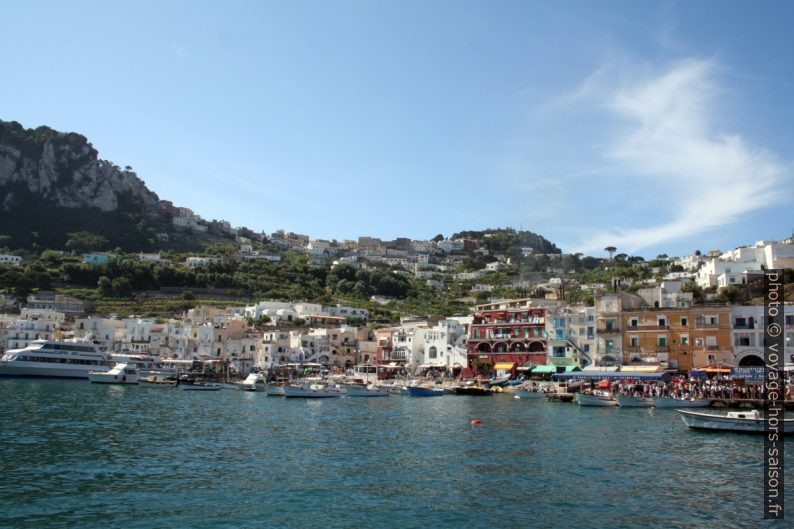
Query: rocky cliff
{"x": 64, "y": 170}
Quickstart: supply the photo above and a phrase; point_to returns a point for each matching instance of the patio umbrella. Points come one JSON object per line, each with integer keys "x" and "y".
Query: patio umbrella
{"x": 604, "y": 384}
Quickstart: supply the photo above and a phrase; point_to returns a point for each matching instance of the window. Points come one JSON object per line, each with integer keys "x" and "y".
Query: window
{"x": 712, "y": 359}
{"x": 634, "y": 341}
{"x": 661, "y": 341}
{"x": 433, "y": 352}
{"x": 684, "y": 321}
{"x": 698, "y": 342}
{"x": 633, "y": 322}
{"x": 662, "y": 321}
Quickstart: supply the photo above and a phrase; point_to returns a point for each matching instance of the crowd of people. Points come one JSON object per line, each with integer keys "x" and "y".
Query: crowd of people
{"x": 716, "y": 388}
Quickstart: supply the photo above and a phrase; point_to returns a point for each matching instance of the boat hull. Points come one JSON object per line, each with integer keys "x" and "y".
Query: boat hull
{"x": 293, "y": 392}
{"x": 708, "y": 421}
{"x": 424, "y": 392}
{"x": 530, "y": 394}
{"x": 668, "y": 402}
{"x": 583, "y": 399}
{"x": 475, "y": 392}
{"x": 361, "y": 391}
{"x": 200, "y": 387}
{"x": 7, "y": 369}
{"x": 628, "y": 401}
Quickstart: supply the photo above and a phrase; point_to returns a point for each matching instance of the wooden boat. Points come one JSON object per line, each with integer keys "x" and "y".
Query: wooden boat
{"x": 477, "y": 391}
{"x": 734, "y": 421}
{"x": 200, "y": 386}
{"x": 630, "y": 401}
{"x": 670, "y": 402}
{"x": 417, "y": 391}
{"x": 586, "y": 399}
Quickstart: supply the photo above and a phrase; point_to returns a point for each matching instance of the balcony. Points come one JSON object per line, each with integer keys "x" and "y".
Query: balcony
{"x": 712, "y": 348}
{"x": 612, "y": 329}
{"x": 662, "y": 348}
{"x": 648, "y": 327}
{"x": 702, "y": 324}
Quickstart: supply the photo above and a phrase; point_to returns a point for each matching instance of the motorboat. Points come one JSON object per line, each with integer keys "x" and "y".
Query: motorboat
{"x": 360, "y": 390}
{"x": 734, "y": 421}
{"x": 200, "y": 386}
{"x": 157, "y": 381}
{"x": 55, "y": 359}
{"x": 630, "y": 401}
{"x": 595, "y": 399}
{"x": 672, "y": 402}
{"x": 419, "y": 391}
{"x": 254, "y": 382}
{"x": 529, "y": 394}
{"x": 311, "y": 391}
{"x": 118, "y": 374}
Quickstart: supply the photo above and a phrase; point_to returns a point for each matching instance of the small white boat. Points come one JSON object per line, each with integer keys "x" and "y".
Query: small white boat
{"x": 587, "y": 399}
{"x": 734, "y": 421}
{"x": 630, "y": 401}
{"x": 358, "y": 390}
{"x": 118, "y": 374}
{"x": 671, "y": 402}
{"x": 200, "y": 386}
{"x": 254, "y": 382}
{"x": 529, "y": 394}
{"x": 157, "y": 381}
{"x": 311, "y": 391}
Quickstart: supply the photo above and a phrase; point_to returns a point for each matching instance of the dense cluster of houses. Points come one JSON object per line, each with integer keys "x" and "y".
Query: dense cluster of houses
{"x": 658, "y": 328}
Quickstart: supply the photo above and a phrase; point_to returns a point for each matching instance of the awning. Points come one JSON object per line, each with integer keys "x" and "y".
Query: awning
{"x": 504, "y": 365}
{"x": 545, "y": 369}
{"x": 611, "y": 375}
{"x": 572, "y": 368}
{"x": 639, "y": 369}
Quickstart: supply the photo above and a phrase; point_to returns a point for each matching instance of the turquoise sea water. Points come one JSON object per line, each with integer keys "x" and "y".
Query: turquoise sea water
{"x": 74, "y": 454}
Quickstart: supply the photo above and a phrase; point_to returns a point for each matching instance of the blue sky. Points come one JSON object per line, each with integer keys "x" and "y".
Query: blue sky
{"x": 651, "y": 126}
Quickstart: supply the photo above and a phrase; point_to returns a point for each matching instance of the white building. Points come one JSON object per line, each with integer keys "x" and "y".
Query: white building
{"x": 33, "y": 324}
{"x": 197, "y": 262}
{"x": 747, "y": 335}
{"x": 108, "y": 332}
{"x": 13, "y": 260}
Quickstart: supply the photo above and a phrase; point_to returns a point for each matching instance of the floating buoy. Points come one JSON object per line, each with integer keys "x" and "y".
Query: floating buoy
{"x": 476, "y": 422}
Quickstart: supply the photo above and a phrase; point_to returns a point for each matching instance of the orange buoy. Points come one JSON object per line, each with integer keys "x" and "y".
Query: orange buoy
{"x": 476, "y": 421}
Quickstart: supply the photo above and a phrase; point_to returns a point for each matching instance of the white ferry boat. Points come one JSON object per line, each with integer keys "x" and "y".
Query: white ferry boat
{"x": 55, "y": 359}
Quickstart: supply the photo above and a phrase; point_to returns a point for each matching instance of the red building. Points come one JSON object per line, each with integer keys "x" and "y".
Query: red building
{"x": 510, "y": 335}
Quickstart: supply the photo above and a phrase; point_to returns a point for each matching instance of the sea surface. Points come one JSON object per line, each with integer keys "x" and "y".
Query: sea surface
{"x": 75, "y": 454}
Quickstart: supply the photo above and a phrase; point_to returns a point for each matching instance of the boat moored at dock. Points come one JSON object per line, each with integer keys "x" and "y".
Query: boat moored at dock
{"x": 311, "y": 391}
{"x": 119, "y": 374}
{"x": 358, "y": 390}
{"x": 419, "y": 391}
{"x": 54, "y": 359}
{"x": 595, "y": 399}
{"x": 734, "y": 421}
{"x": 200, "y": 386}
{"x": 254, "y": 382}
{"x": 630, "y": 401}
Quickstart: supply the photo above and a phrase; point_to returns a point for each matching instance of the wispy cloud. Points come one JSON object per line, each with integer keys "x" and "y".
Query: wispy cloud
{"x": 670, "y": 142}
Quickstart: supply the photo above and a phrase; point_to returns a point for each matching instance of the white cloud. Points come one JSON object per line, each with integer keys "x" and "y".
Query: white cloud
{"x": 711, "y": 178}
